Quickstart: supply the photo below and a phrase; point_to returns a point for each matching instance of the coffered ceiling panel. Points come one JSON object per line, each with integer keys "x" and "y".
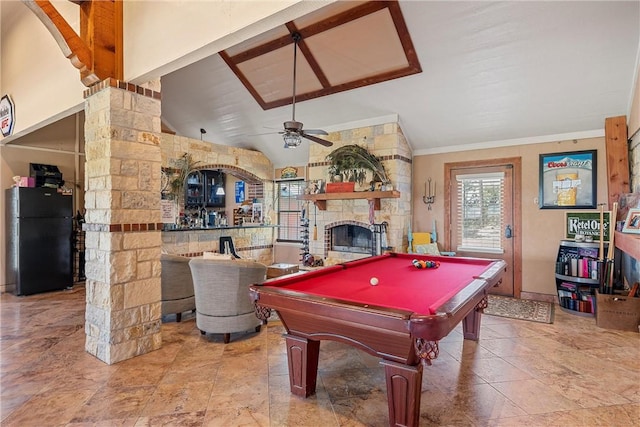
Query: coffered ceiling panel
{"x": 271, "y": 75}
{"x": 343, "y": 46}
{"x": 346, "y": 53}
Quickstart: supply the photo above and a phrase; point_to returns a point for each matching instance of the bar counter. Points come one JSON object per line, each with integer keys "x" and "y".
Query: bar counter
{"x": 250, "y": 241}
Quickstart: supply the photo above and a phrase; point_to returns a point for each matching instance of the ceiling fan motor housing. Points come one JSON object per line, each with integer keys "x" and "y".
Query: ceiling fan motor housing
{"x": 293, "y": 126}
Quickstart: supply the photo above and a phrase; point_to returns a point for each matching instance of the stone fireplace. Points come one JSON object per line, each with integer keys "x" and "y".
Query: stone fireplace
{"x": 354, "y": 238}
{"x": 349, "y": 237}
{"x": 346, "y": 224}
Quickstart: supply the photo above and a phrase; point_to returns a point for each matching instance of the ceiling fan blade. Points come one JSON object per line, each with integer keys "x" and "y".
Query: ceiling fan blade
{"x": 316, "y": 132}
{"x": 316, "y": 139}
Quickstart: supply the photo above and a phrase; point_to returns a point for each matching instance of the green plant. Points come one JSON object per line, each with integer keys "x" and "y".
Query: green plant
{"x": 353, "y": 161}
{"x": 177, "y": 175}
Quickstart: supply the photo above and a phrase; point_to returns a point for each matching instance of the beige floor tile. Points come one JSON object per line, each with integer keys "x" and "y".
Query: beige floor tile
{"x": 188, "y": 419}
{"x": 178, "y": 398}
{"x": 495, "y": 369}
{"x": 48, "y": 409}
{"x": 238, "y": 409}
{"x": 364, "y": 410}
{"x": 569, "y": 373}
{"x": 114, "y": 403}
{"x": 534, "y": 397}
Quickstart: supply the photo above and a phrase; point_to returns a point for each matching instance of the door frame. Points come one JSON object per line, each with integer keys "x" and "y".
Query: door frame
{"x": 516, "y": 164}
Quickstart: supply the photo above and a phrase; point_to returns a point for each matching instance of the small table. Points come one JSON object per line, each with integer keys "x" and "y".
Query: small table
{"x": 401, "y": 319}
{"x": 281, "y": 269}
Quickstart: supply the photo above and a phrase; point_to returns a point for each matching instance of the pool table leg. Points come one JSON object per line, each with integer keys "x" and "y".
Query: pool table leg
{"x": 404, "y": 384}
{"x": 471, "y": 323}
{"x": 302, "y": 355}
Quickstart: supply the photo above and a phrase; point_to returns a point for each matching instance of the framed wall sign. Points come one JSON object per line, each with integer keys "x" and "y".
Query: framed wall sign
{"x": 240, "y": 194}
{"x": 568, "y": 180}
{"x": 587, "y": 224}
{"x": 7, "y": 115}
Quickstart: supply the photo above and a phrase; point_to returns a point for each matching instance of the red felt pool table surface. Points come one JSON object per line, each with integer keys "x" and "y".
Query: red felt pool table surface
{"x": 401, "y": 285}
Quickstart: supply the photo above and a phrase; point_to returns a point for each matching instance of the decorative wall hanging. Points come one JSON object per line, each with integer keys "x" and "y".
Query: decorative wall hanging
{"x": 568, "y": 180}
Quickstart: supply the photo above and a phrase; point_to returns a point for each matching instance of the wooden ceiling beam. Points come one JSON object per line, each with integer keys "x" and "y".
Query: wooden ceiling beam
{"x": 97, "y": 51}
{"x": 101, "y": 30}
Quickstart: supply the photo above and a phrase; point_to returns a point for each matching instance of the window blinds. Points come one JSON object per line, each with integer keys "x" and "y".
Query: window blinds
{"x": 480, "y": 207}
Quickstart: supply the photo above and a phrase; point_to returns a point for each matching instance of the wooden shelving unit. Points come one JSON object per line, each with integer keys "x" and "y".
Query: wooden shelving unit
{"x": 628, "y": 243}
{"x": 374, "y": 197}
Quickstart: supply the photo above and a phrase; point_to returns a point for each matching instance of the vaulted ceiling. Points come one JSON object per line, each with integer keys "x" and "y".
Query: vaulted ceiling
{"x": 456, "y": 75}
{"x": 492, "y": 73}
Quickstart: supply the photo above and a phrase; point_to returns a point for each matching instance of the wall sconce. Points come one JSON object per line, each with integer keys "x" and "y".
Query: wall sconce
{"x": 429, "y": 197}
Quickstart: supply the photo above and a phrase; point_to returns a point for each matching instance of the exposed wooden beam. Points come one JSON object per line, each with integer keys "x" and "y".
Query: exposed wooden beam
{"x": 101, "y": 30}
{"x": 97, "y": 52}
{"x": 617, "y": 148}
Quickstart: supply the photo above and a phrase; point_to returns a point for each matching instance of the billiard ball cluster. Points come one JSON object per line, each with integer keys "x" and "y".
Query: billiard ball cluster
{"x": 418, "y": 263}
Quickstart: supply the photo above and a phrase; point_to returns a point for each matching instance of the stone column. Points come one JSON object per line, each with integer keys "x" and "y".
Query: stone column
{"x": 122, "y": 201}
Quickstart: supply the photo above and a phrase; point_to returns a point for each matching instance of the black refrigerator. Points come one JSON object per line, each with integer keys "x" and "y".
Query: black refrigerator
{"x": 39, "y": 225}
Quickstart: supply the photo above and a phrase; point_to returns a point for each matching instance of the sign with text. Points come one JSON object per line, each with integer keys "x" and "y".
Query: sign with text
{"x": 587, "y": 224}
{"x": 168, "y": 211}
{"x": 240, "y": 195}
{"x": 7, "y": 115}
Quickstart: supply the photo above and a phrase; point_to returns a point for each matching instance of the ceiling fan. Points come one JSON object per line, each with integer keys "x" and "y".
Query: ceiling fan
{"x": 293, "y": 131}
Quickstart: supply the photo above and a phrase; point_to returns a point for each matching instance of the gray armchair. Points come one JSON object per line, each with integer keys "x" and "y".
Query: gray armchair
{"x": 223, "y": 305}
{"x": 177, "y": 286}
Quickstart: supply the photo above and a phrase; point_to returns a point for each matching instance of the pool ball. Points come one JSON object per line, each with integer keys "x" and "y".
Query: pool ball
{"x": 373, "y": 281}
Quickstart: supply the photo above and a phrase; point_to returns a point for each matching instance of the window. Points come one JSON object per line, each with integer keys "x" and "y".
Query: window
{"x": 480, "y": 206}
{"x": 290, "y": 210}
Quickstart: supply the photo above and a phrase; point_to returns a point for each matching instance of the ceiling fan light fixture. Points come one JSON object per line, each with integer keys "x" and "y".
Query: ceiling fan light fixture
{"x": 291, "y": 139}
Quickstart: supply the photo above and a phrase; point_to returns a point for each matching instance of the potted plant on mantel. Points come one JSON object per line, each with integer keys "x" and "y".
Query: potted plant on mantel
{"x": 350, "y": 163}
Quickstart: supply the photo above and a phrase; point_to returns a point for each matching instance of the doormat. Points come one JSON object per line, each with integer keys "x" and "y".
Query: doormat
{"x": 521, "y": 309}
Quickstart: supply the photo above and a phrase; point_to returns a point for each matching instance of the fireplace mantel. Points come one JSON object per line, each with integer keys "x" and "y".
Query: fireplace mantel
{"x": 374, "y": 197}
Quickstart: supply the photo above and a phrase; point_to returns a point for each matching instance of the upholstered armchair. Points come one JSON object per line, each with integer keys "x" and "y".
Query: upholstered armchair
{"x": 223, "y": 305}
{"x": 177, "y": 286}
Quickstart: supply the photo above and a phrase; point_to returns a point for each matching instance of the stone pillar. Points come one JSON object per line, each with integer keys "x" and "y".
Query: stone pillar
{"x": 122, "y": 201}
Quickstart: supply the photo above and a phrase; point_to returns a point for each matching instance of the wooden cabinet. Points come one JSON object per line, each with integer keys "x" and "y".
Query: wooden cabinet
{"x": 202, "y": 188}
{"x": 241, "y": 217}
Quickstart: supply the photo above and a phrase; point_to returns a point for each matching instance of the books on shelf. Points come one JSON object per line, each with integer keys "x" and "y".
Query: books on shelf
{"x": 579, "y": 262}
{"x": 577, "y": 298}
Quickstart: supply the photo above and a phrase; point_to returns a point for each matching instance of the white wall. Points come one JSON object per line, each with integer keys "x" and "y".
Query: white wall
{"x": 43, "y": 84}
{"x": 159, "y": 37}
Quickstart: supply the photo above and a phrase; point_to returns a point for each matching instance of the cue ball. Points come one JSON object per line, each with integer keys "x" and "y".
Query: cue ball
{"x": 373, "y": 281}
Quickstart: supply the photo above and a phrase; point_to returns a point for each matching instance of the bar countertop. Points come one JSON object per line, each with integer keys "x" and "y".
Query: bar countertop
{"x": 232, "y": 227}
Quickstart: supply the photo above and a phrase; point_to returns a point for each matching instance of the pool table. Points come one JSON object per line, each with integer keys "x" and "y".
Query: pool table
{"x": 400, "y": 319}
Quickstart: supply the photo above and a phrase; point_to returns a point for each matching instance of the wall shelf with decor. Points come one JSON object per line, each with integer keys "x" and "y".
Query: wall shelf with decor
{"x": 628, "y": 243}
{"x": 374, "y": 197}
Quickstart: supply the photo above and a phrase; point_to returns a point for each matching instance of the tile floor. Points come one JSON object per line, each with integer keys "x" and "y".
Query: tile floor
{"x": 521, "y": 373}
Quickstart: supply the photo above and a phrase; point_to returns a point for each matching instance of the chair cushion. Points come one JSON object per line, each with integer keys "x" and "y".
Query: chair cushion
{"x": 429, "y": 249}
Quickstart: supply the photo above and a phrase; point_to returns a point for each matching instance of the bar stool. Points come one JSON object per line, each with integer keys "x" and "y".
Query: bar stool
{"x": 226, "y": 243}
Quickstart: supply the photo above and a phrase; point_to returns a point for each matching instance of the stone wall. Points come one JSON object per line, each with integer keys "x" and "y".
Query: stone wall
{"x": 122, "y": 187}
{"x": 387, "y": 142}
{"x": 254, "y": 243}
{"x": 250, "y": 242}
